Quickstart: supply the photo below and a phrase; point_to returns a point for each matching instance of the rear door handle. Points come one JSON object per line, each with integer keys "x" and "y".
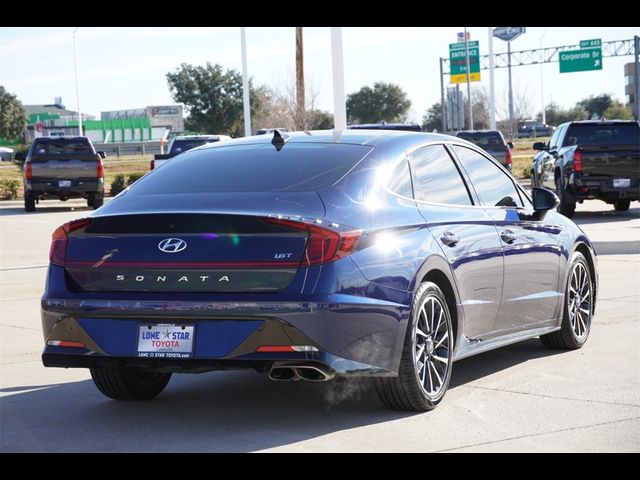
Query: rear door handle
{"x": 508, "y": 236}
{"x": 449, "y": 239}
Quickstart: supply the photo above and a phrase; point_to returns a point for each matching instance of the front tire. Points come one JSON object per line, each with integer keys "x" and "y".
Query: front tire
{"x": 578, "y": 308}
{"x": 129, "y": 383}
{"x": 621, "y": 205}
{"x": 427, "y": 356}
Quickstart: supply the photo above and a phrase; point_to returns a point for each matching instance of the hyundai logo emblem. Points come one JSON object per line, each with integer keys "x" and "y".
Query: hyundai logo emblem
{"x": 172, "y": 245}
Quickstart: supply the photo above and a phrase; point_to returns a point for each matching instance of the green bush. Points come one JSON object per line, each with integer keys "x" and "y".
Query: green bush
{"x": 133, "y": 177}
{"x": 117, "y": 185}
{"x": 9, "y": 189}
{"x": 526, "y": 172}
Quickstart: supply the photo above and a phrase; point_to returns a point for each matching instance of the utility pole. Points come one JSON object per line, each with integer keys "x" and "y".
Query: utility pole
{"x": 75, "y": 61}
{"x": 466, "y": 48}
{"x": 301, "y": 123}
{"x": 337, "y": 64}
{"x": 492, "y": 84}
{"x": 245, "y": 85}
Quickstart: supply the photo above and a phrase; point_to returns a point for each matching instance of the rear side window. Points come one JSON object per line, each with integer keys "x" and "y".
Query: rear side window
{"x": 400, "y": 181}
{"x": 493, "y": 185}
{"x": 483, "y": 139}
{"x": 254, "y": 168}
{"x": 436, "y": 179}
{"x": 62, "y": 146}
{"x": 603, "y": 134}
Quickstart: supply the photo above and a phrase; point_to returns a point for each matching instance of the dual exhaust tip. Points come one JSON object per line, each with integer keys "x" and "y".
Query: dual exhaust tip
{"x": 309, "y": 373}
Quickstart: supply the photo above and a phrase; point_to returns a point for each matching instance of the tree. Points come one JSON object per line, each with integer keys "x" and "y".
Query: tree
{"x": 432, "y": 120}
{"x": 480, "y": 106}
{"x": 618, "y": 111}
{"x": 13, "y": 116}
{"x": 320, "y": 120}
{"x": 596, "y": 106}
{"x": 213, "y": 98}
{"x": 555, "y": 115}
{"x": 385, "y": 102}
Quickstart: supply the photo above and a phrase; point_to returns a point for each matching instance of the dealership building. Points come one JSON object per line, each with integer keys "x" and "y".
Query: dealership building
{"x": 134, "y": 125}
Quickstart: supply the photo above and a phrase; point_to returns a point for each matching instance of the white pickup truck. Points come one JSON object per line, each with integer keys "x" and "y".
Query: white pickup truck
{"x": 182, "y": 143}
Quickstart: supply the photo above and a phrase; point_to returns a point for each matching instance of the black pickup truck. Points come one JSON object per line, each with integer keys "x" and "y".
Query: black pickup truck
{"x": 590, "y": 160}
{"x": 63, "y": 168}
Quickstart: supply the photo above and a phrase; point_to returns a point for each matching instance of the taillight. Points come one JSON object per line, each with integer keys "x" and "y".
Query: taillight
{"x": 509, "y": 161}
{"x": 28, "y": 172}
{"x": 577, "y": 161}
{"x": 58, "y": 250}
{"x": 323, "y": 245}
{"x": 100, "y": 169}
{"x": 152, "y": 164}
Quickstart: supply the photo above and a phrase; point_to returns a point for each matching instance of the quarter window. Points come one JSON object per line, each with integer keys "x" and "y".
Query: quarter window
{"x": 491, "y": 182}
{"x": 436, "y": 179}
{"x": 400, "y": 181}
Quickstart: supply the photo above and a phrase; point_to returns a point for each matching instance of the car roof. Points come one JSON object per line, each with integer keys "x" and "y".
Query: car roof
{"x": 387, "y": 126}
{"x": 386, "y": 142}
{"x": 197, "y": 137}
{"x": 478, "y": 131}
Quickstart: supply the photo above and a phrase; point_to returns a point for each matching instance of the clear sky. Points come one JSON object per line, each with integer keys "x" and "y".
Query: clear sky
{"x": 125, "y": 67}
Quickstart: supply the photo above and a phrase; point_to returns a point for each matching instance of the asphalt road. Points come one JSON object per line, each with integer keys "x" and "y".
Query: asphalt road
{"x": 520, "y": 398}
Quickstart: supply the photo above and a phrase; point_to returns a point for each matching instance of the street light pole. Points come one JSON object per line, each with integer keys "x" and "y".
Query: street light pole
{"x": 510, "y": 91}
{"x": 492, "y": 85}
{"x": 337, "y": 64}
{"x": 75, "y": 60}
{"x": 544, "y": 114}
{"x": 466, "y": 47}
{"x": 245, "y": 85}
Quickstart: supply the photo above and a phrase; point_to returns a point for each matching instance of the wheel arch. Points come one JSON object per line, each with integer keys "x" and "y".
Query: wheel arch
{"x": 436, "y": 269}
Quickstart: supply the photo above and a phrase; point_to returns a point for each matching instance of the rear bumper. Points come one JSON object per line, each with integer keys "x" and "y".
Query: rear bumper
{"x": 602, "y": 188}
{"x": 351, "y": 335}
{"x": 51, "y": 188}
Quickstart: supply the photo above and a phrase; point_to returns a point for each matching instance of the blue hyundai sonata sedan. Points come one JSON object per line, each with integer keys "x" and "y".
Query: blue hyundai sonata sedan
{"x": 315, "y": 255}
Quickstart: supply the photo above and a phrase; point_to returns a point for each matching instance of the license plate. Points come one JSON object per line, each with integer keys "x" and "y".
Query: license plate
{"x": 165, "y": 341}
{"x": 64, "y": 183}
{"x": 621, "y": 182}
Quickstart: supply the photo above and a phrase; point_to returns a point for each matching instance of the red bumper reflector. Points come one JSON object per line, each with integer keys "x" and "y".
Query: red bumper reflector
{"x": 275, "y": 348}
{"x": 65, "y": 343}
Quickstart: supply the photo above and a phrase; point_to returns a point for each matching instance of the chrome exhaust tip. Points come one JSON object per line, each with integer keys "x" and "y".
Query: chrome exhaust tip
{"x": 283, "y": 374}
{"x": 314, "y": 374}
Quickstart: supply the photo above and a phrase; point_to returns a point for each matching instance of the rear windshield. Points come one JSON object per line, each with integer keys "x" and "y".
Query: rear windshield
{"x": 254, "y": 168}
{"x": 604, "y": 134}
{"x": 184, "y": 145}
{"x": 482, "y": 139}
{"x": 62, "y": 146}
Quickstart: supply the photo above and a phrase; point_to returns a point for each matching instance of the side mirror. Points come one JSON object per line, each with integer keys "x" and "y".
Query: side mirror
{"x": 102, "y": 154}
{"x": 543, "y": 201}
{"x": 510, "y": 144}
{"x": 539, "y": 146}
{"x": 19, "y": 157}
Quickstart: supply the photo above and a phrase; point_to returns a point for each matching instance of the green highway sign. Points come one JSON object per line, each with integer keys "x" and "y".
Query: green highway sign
{"x": 581, "y": 60}
{"x": 596, "y": 42}
{"x": 458, "y": 62}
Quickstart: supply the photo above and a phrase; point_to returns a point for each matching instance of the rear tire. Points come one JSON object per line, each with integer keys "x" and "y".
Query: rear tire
{"x": 567, "y": 206}
{"x": 29, "y": 203}
{"x": 427, "y": 355}
{"x": 129, "y": 383}
{"x": 577, "y": 310}
{"x": 621, "y": 205}
{"x": 97, "y": 202}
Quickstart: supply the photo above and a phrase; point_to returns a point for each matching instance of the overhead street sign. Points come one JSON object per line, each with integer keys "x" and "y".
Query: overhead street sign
{"x": 508, "y": 33}
{"x": 584, "y": 59}
{"x": 458, "y": 62}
